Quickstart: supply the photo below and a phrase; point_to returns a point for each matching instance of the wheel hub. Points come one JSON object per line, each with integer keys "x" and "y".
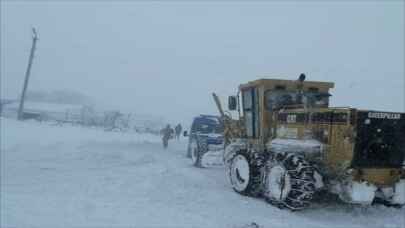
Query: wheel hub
{"x": 240, "y": 173}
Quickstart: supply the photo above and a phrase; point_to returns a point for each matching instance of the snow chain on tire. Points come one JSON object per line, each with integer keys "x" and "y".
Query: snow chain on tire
{"x": 302, "y": 182}
{"x": 230, "y": 151}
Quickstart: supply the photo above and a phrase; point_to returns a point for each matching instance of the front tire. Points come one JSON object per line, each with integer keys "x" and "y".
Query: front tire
{"x": 188, "y": 154}
{"x": 196, "y": 153}
{"x": 246, "y": 173}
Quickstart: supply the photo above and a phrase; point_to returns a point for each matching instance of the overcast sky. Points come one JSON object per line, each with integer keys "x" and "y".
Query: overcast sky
{"x": 167, "y": 58}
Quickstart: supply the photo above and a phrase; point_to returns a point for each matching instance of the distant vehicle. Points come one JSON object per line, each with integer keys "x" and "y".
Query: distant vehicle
{"x": 205, "y": 145}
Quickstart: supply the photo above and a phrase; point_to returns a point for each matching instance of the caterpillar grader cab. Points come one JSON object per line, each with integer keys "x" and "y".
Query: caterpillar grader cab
{"x": 287, "y": 145}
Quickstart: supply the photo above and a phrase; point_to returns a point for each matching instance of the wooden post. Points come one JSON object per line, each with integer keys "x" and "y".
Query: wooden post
{"x": 27, "y": 74}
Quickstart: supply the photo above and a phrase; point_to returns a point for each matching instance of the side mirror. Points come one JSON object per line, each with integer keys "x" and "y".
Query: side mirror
{"x": 185, "y": 133}
{"x": 232, "y": 103}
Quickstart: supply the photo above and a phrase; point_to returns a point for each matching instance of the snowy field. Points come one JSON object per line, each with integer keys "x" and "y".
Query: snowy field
{"x": 54, "y": 176}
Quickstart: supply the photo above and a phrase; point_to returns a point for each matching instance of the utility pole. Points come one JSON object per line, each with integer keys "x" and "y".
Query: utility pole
{"x": 27, "y": 74}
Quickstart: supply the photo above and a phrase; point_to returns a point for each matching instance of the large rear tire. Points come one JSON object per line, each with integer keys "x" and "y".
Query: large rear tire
{"x": 246, "y": 173}
{"x": 289, "y": 182}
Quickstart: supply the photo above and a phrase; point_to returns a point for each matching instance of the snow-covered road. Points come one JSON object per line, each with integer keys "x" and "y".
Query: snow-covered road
{"x": 54, "y": 176}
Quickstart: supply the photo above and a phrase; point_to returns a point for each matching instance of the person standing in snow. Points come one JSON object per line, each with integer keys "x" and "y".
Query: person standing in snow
{"x": 178, "y": 129}
{"x": 167, "y": 134}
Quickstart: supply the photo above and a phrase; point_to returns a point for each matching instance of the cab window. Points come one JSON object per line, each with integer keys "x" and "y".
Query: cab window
{"x": 251, "y": 112}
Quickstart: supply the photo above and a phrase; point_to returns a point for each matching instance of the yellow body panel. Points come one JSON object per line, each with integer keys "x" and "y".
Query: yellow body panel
{"x": 339, "y": 151}
{"x": 289, "y": 84}
{"x": 379, "y": 177}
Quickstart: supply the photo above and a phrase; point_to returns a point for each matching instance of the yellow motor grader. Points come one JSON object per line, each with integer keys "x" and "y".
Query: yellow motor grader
{"x": 287, "y": 145}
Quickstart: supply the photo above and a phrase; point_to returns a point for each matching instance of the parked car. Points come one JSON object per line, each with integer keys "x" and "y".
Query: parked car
{"x": 206, "y": 135}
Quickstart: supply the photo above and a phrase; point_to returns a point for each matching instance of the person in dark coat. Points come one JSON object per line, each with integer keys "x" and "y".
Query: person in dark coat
{"x": 178, "y": 130}
{"x": 167, "y": 134}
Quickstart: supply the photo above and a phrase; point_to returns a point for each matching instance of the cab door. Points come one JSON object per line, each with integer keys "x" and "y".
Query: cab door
{"x": 251, "y": 112}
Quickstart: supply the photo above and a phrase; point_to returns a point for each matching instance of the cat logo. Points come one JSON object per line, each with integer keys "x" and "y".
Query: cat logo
{"x": 382, "y": 115}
